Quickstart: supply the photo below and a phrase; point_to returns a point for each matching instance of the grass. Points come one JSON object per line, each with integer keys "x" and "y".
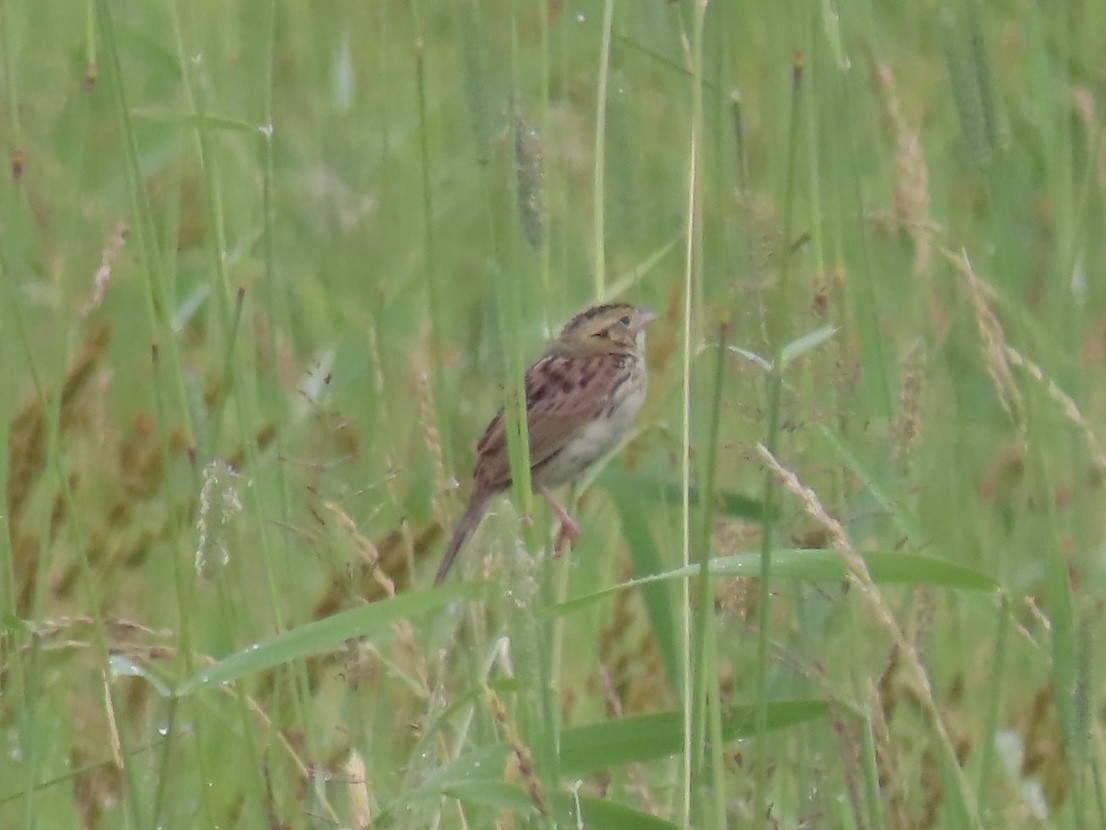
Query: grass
{"x": 268, "y": 268}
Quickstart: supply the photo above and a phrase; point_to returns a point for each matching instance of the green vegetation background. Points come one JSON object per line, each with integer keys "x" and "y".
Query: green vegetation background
{"x": 266, "y": 269}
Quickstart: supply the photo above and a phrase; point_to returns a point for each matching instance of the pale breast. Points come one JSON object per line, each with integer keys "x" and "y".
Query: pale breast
{"x": 598, "y": 436}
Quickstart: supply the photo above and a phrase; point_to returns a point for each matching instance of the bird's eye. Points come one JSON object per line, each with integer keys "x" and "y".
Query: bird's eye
{"x": 625, "y": 320}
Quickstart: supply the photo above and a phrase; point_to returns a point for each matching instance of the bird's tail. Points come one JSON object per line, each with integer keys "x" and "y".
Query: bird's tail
{"x": 473, "y": 514}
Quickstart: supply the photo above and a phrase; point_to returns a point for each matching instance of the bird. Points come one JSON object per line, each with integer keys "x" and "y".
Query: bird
{"x": 582, "y": 395}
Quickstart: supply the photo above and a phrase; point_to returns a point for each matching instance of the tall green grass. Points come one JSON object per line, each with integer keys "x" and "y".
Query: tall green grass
{"x": 267, "y": 269}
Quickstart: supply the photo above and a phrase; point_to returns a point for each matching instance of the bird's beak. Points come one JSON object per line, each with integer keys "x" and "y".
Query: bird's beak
{"x": 642, "y": 318}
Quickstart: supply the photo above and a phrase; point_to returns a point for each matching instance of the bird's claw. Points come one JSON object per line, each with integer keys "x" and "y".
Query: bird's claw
{"x": 568, "y": 534}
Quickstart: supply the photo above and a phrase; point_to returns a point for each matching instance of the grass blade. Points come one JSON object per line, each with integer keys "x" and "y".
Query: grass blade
{"x": 321, "y": 636}
{"x": 814, "y": 565}
{"x": 586, "y": 749}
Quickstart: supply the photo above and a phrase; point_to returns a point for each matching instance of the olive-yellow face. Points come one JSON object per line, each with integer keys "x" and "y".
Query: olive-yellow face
{"x": 616, "y": 328}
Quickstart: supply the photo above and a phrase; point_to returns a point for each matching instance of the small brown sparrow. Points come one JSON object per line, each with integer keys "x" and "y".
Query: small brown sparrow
{"x": 581, "y": 397}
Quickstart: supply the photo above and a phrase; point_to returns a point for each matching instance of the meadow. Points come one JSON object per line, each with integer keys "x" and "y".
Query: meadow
{"x": 266, "y": 270}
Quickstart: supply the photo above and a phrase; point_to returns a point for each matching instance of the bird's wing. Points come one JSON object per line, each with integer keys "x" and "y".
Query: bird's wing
{"x": 562, "y": 394}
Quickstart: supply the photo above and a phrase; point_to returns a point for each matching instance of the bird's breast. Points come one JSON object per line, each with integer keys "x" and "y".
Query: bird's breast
{"x": 598, "y": 436}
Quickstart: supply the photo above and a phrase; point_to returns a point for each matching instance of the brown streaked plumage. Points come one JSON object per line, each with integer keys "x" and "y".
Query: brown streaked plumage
{"x": 581, "y": 397}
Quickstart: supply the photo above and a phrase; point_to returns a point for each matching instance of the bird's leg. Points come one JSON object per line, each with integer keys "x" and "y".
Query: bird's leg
{"x": 569, "y": 531}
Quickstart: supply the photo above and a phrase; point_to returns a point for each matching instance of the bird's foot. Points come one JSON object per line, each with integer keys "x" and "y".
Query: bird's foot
{"x": 568, "y": 534}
